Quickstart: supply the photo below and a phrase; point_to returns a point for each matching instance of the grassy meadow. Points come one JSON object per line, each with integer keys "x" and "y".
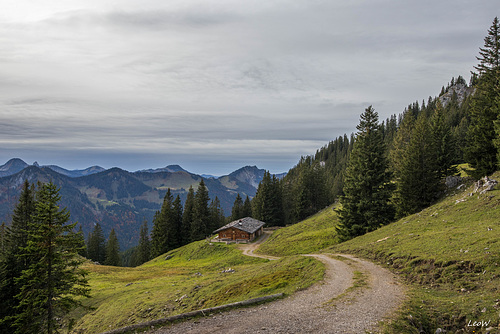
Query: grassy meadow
{"x": 191, "y": 279}
{"x": 311, "y": 235}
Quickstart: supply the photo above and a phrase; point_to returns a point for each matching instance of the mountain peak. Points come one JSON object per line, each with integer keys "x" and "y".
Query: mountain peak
{"x": 12, "y": 166}
{"x": 249, "y": 174}
{"x": 169, "y": 168}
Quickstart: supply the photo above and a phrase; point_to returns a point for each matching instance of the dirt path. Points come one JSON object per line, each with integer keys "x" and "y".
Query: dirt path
{"x": 314, "y": 310}
{"x": 248, "y": 249}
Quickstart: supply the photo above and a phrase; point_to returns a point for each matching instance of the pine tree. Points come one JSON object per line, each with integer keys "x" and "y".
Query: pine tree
{"x": 311, "y": 194}
{"x": 161, "y": 227}
{"x": 96, "y": 245}
{"x": 217, "y": 218}
{"x": 236, "y": 212}
{"x": 416, "y": 169}
{"x": 482, "y": 140}
{"x": 267, "y": 205}
{"x": 144, "y": 248}
{"x": 157, "y": 237}
{"x": 247, "y": 208}
{"x": 200, "y": 226}
{"x": 81, "y": 242}
{"x": 175, "y": 233}
{"x": 367, "y": 189}
{"x": 113, "y": 250}
{"x": 53, "y": 278}
{"x": 442, "y": 143}
{"x": 3, "y": 233}
{"x": 187, "y": 217}
{"x": 12, "y": 264}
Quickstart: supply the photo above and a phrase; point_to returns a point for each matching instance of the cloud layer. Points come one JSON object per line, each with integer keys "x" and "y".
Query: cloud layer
{"x": 215, "y": 85}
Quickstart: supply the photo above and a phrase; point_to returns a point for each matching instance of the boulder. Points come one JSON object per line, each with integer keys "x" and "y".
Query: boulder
{"x": 485, "y": 184}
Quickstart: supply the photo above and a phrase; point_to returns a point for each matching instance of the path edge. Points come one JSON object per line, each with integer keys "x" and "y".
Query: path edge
{"x": 203, "y": 312}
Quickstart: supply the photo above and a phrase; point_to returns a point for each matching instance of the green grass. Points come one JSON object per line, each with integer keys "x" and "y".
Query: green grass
{"x": 308, "y": 236}
{"x": 449, "y": 254}
{"x": 192, "y": 279}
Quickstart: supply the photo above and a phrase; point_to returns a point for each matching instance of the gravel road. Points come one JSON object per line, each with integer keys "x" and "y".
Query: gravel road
{"x": 311, "y": 310}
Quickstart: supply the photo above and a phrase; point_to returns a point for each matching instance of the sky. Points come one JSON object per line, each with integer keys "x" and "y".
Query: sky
{"x": 215, "y": 85}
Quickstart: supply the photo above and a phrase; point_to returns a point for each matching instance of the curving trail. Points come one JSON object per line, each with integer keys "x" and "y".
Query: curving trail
{"x": 248, "y": 249}
{"x": 314, "y": 310}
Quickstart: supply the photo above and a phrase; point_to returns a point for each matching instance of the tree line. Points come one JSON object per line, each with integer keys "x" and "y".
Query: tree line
{"x": 175, "y": 226}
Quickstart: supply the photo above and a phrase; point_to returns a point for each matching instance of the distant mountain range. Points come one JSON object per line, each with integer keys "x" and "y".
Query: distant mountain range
{"x": 120, "y": 199}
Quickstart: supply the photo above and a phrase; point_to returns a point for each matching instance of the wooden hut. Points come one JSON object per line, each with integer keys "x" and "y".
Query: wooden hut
{"x": 245, "y": 229}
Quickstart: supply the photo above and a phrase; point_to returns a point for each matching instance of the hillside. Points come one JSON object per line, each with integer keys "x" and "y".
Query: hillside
{"x": 117, "y": 198}
{"x": 448, "y": 254}
{"x": 196, "y": 276}
{"x": 309, "y": 236}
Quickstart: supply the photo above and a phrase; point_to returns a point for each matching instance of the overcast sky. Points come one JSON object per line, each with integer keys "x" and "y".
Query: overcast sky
{"x": 214, "y": 85}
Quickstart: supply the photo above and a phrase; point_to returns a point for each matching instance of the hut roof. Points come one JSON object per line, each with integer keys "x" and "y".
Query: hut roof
{"x": 247, "y": 224}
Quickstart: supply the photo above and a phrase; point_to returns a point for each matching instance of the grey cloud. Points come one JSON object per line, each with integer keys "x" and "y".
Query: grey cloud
{"x": 228, "y": 80}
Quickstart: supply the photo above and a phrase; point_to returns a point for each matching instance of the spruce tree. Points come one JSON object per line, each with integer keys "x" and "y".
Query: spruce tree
{"x": 200, "y": 226}
{"x": 81, "y": 242}
{"x": 442, "y": 143}
{"x": 96, "y": 245}
{"x": 3, "y": 233}
{"x": 187, "y": 217}
{"x": 113, "y": 250}
{"x": 12, "y": 264}
{"x": 416, "y": 169}
{"x": 161, "y": 226}
{"x": 366, "y": 205}
{"x": 236, "y": 212}
{"x": 144, "y": 248}
{"x": 157, "y": 240}
{"x": 217, "y": 218}
{"x": 53, "y": 279}
{"x": 482, "y": 141}
{"x": 247, "y": 208}
{"x": 267, "y": 204}
{"x": 175, "y": 232}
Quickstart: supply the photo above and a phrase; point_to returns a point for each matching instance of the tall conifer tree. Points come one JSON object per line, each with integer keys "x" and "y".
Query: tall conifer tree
{"x": 15, "y": 239}
{"x": 187, "y": 217}
{"x": 53, "y": 278}
{"x": 200, "y": 226}
{"x": 482, "y": 141}
{"x": 175, "y": 225}
{"x": 161, "y": 226}
{"x": 144, "y": 248}
{"x": 217, "y": 218}
{"x": 96, "y": 245}
{"x": 367, "y": 189}
{"x": 442, "y": 142}
{"x": 267, "y": 205}
{"x": 113, "y": 250}
{"x": 81, "y": 242}
{"x": 236, "y": 212}
{"x": 416, "y": 169}
{"x": 247, "y": 207}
